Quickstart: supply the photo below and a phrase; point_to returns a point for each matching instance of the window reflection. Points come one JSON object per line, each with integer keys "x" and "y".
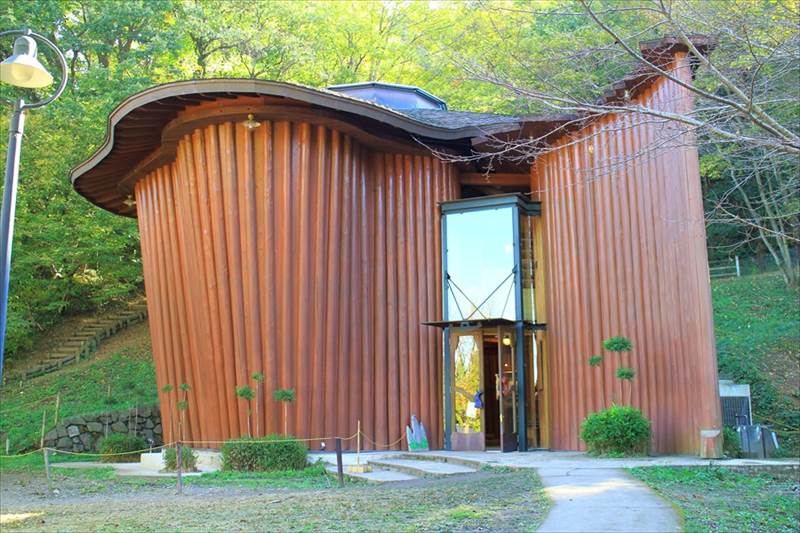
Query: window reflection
{"x": 467, "y": 384}
{"x": 480, "y": 264}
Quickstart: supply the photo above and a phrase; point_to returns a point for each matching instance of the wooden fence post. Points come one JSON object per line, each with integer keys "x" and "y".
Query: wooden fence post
{"x": 339, "y": 466}
{"x": 58, "y": 405}
{"x": 44, "y": 419}
{"x": 46, "y": 455}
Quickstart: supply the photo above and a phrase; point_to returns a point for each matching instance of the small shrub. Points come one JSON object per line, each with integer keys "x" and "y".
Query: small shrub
{"x": 284, "y": 395}
{"x": 119, "y": 443}
{"x": 626, "y": 374}
{"x": 618, "y": 344}
{"x": 270, "y": 453}
{"x": 618, "y": 430}
{"x": 731, "y": 445}
{"x": 188, "y": 458}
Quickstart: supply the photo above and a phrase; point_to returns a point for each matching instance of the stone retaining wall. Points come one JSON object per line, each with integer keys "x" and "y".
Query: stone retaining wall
{"x": 84, "y": 433}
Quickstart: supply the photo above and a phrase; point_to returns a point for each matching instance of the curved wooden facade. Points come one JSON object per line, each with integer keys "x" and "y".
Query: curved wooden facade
{"x": 309, "y": 249}
{"x": 295, "y": 251}
{"x": 625, "y": 254}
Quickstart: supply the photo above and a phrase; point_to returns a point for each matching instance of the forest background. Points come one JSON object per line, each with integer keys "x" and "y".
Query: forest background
{"x": 71, "y": 257}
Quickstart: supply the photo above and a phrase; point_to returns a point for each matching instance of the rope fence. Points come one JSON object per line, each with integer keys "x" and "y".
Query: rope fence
{"x": 209, "y": 443}
{"x": 27, "y": 405}
{"x": 179, "y": 445}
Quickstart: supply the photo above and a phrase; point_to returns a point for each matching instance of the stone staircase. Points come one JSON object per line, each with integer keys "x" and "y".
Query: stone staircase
{"x": 83, "y": 342}
{"x": 409, "y": 467}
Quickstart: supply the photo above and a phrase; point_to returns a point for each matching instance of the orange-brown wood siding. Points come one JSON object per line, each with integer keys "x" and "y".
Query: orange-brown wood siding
{"x": 625, "y": 254}
{"x": 295, "y": 251}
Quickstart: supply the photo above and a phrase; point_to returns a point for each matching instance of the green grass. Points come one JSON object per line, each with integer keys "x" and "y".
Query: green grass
{"x": 314, "y": 476}
{"x": 32, "y": 462}
{"x": 757, "y": 325}
{"x": 720, "y": 500}
{"x": 124, "y": 363}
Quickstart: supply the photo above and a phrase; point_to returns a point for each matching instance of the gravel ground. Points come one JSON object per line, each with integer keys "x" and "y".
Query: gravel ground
{"x": 484, "y": 501}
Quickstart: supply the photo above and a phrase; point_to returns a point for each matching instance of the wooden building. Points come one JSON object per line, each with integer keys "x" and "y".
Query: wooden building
{"x": 320, "y": 238}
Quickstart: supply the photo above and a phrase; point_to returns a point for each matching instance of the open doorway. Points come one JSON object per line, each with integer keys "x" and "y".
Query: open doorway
{"x": 484, "y": 391}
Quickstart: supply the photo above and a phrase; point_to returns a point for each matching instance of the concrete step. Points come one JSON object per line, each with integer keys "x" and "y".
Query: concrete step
{"x": 422, "y": 468}
{"x": 53, "y": 360}
{"x": 85, "y": 340}
{"x": 63, "y": 354}
{"x": 76, "y": 343}
{"x": 376, "y": 476}
{"x": 470, "y": 463}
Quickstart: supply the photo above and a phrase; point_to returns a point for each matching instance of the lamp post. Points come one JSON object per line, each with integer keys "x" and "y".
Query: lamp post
{"x": 21, "y": 69}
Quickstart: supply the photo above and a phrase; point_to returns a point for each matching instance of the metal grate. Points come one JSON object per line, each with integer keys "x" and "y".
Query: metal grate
{"x": 736, "y": 410}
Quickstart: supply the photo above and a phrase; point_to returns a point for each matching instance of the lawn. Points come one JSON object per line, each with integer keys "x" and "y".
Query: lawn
{"x": 29, "y": 469}
{"x": 757, "y": 325}
{"x": 97, "y": 500}
{"x": 122, "y": 366}
{"x": 721, "y": 500}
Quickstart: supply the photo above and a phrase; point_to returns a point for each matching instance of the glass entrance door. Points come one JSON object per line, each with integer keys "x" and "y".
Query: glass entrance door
{"x": 506, "y": 389}
{"x": 468, "y": 417}
{"x": 484, "y": 391}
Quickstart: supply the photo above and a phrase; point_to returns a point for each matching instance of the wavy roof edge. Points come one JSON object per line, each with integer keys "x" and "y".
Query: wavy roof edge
{"x": 164, "y": 102}
{"x": 226, "y": 87}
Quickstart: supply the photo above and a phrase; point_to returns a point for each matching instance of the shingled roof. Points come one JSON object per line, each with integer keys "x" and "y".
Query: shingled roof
{"x": 135, "y": 126}
{"x": 460, "y": 119}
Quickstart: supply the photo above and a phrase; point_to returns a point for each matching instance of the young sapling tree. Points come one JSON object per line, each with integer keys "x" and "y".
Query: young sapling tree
{"x": 183, "y": 405}
{"x": 619, "y": 345}
{"x": 166, "y": 389}
{"x": 246, "y": 393}
{"x": 286, "y": 396}
{"x": 258, "y": 377}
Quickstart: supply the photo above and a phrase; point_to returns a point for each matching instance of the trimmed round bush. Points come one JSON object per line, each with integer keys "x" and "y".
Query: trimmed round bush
{"x": 119, "y": 443}
{"x": 270, "y": 453}
{"x": 618, "y": 430}
{"x": 188, "y": 458}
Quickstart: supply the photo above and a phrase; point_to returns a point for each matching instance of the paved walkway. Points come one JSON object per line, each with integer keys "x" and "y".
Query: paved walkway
{"x": 603, "y": 499}
{"x": 563, "y": 460}
{"x": 596, "y": 495}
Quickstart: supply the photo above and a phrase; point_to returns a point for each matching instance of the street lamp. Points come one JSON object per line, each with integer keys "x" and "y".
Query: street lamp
{"x": 21, "y": 69}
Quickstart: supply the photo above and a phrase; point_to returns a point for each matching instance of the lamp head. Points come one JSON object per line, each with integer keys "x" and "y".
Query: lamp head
{"x": 22, "y": 69}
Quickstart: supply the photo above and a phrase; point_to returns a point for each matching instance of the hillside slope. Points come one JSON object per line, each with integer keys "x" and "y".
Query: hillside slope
{"x": 757, "y": 324}
{"x": 118, "y": 376}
